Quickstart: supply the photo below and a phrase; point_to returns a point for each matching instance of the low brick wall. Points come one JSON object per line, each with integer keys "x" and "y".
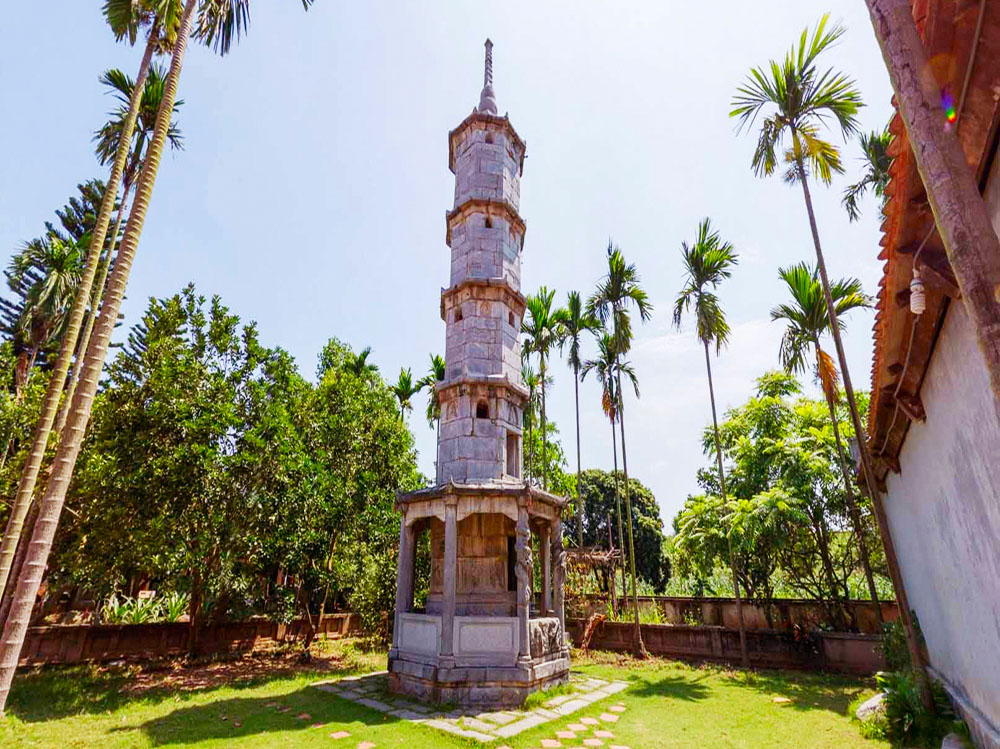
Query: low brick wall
{"x": 786, "y": 613}
{"x": 836, "y": 651}
{"x": 65, "y": 644}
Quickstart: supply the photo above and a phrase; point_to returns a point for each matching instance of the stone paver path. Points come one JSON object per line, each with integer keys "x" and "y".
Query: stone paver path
{"x": 371, "y": 691}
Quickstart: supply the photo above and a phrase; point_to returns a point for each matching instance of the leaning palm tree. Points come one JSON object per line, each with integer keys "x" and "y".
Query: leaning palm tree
{"x": 430, "y": 380}
{"x": 795, "y": 98}
{"x": 707, "y": 263}
{"x": 404, "y": 390}
{"x": 875, "y": 148}
{"x": 617, "y": 292}
{"x": 605, "y": 367}
{"x": 543, "y": 327}
{"x": 126, "y": 18}
{"x": 576, "y": 323}
{"x": 219, "y": 22}
{"x": 807, "y": 322}
{"x": 108, "y": 140}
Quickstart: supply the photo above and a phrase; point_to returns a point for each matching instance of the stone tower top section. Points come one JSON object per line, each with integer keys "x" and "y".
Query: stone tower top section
{"x": 482, "y": 395}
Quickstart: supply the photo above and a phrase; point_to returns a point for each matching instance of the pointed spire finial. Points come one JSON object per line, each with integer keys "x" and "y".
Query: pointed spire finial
{"x": 487, "y": 101}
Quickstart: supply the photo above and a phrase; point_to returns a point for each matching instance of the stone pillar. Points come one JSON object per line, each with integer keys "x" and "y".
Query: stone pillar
{"x": 559, "y": 572}
{"x": 404, "y": 569}
{"x": 523, "y": 571}
{"x": 544, "y": 546}
{"x": 450, "y": 573}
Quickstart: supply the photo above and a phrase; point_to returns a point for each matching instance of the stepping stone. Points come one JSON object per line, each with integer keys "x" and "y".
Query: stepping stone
{"x": 550, "y": 744}
{"x": 571, "y": 707}
{"x": 272, "y": 704}
{"x": 781, "y": 700}
{"x": 617, "y": 708}
{"x": 609, "y": 717}
{"x": 565, "y": 735}
{"x": 339, "y": 735}
{"x": 617, "y": 746}
{"x": 557, "y": 701}
{"x": 578, "y": 727}
{"x": 593, "y": 742}
{"x": 500, "y": 718}
{"x": 604, "y": 734}
{"x": 304, "y": 716}
{"x": 589, "y": 721}
{"x": 366, "y": 745}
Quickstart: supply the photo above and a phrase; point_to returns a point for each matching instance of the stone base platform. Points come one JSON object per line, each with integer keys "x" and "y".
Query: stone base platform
{"x": 478, "y": 686}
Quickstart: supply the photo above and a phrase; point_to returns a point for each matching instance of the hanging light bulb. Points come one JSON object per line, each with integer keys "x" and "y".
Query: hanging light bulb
{"x": 918, "y": 297}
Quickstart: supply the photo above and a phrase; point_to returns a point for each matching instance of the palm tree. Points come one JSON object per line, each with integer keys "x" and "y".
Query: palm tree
{"x": 707, "y": 263}
{"x": 218, "y": 23}
{"x": 544, "y": 328}
{"x": 108, "y": 139}
{"x": 576, "y": 323}
{"x": 605, "y": 368}
{"x": 530, "y": 379}
{"x": 126, "y": 18}
{"x": 404, "y": 389}
{"x": 875, "y": 147}
{"x": 435, "y": 375}
{"x": 358, "y": 364}
{"x": 807, "y": 321}
{"x": 616, "y": 293}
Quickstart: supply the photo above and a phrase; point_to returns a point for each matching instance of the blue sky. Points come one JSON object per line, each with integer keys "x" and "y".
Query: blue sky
{"x": 312, "y": 190}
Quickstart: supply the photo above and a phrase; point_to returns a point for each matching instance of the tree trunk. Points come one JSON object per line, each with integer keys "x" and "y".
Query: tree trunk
{"x": 744, "y": 655}
{"x": 7, "y": 599}
{"x": 640, "y": 649}
{"x": 545, "y": 437}
{"x": 95, "y": 302}
{"x": 852, "y": 507}
{"x": 902, "y": 600}
{"x": 823, "y": 536}
{"x": 68, "y": 451}
{"x": 579, "y": 485}
{"x": 29, "y": 475}
{"x": 960, "y": 213}
{"x": 618, "y": 507}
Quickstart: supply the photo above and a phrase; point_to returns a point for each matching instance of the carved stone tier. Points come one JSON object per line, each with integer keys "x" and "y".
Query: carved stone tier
{"x": 480, "y": 640}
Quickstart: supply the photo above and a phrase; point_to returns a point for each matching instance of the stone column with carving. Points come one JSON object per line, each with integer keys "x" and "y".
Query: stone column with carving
{"x": 450, "y": 575}
{"x": 559, "y": 572}
{"x": 544, "y": 546}
{"x": 522, "y": 570}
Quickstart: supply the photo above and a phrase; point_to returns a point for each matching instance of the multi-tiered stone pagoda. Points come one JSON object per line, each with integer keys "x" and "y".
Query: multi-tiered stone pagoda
{"x": 484, "y": 637}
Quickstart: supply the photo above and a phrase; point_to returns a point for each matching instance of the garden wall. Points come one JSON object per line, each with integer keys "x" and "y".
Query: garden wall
{"x": 786, "y": 613}
{"x": 110, "y": 642}
{"x": 829, "y": 651}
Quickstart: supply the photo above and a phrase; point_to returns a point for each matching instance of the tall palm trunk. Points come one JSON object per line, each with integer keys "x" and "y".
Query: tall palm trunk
{"x": 618, "y": 507}
{"x": 65, "y": 459}
{"x": 29, "y": 475}
{"x": 744, "y": 655}
{"x": 962, "y": 217}
{"x": 852, "y": 505}
{"x": 640, "y": 649}
{"x": 545, "y": 437}
{"x": 579, "y": 486}
{"x": 903, "y": 602}
{"x": 96, "y": 295}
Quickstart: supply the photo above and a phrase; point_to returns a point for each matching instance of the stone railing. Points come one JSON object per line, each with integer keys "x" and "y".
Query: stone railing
{"x": 110, "y": 642}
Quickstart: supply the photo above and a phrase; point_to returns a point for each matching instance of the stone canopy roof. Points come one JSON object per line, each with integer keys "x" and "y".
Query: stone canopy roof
{"x": 904, "y": 343}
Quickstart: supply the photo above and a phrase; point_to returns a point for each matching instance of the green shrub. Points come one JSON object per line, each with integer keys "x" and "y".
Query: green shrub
{"x": 907, "y": 722}
{"x": 173, "y": 606}
{"x": 894, "y": 647}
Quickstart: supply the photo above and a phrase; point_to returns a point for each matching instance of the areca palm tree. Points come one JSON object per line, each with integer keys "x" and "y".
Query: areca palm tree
{"x": 219, "y": 22}
{"x": 875, "y": 150}
{"x": 530, "y": 379}
{"x": 358, "y": 364}
{"x": 707, "y": 263}
{"x": 605, "y": 368}
{"x": 108, "y": 140}
{"x": 404, "y": 389}
{"x": 577, "y": 322}
{"x": 795, "y": 99}
{"x": 807, "y": 322}
{"x": 543, "y": 327}
{"x": 611, "y": 303}
{"x": 435, "y": 375}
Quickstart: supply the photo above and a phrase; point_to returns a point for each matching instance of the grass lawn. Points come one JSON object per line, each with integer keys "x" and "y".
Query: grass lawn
{"x": 669, "y": 704}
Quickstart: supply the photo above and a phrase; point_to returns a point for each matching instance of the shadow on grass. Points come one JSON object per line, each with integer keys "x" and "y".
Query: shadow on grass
{"x": 238, "y": 717}
{"x": 670, "y": 686}
{"x": 806, "y": 691}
